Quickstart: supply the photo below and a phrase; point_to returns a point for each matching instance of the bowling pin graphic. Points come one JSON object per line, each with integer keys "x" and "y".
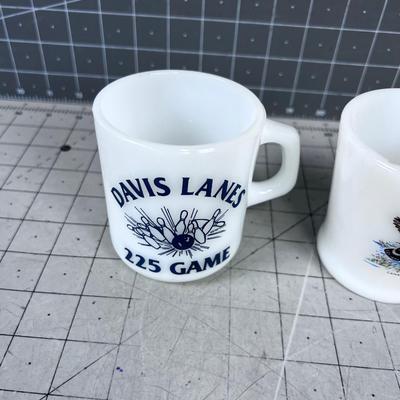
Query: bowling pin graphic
{"x": 145, "y": 232}
{"x": 210, "y": 223}
{"x": 131, "y": 227}
{"x": 145, "y": 221}
{"x": 150, "y": 241}
{"x": 138, "y": 231}
{"x": 156, "y": 233}
{"x": 199, "y": 235}
{"x": 168, "y": 234}
{"x": 181, "y": 225}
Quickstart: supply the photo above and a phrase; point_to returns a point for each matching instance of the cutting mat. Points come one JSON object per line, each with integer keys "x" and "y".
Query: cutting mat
{"x": 300, "y": 57}
{"x": 75, "y": 322}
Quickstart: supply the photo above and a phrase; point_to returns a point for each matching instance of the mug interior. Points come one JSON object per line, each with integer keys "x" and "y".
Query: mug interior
{"x": 177, "y": 107}
{"x": 375, "y": 120}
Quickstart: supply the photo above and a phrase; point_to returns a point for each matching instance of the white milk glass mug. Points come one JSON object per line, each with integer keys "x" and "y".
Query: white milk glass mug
{"x": 359, "y": 242}
{"x": 177, "y": 152}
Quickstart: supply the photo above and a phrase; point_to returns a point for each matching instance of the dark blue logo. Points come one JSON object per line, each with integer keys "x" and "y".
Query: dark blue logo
{"x": 131, "y": 190}
{"x": 184, "y": 235}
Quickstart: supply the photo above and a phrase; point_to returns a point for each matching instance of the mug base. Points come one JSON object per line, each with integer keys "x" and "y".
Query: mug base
{"x": 371, "y": 286}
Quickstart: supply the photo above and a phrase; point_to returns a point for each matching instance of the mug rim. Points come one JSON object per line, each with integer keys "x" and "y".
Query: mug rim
{"x": 244, "y": 134}
{"x": 346, "y": 121}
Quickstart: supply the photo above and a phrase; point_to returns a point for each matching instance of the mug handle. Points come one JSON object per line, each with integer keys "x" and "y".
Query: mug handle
{"x": 285, "y": 179}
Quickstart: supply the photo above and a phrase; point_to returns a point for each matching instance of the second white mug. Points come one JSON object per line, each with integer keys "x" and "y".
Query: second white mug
{"x": 359, "y": 241}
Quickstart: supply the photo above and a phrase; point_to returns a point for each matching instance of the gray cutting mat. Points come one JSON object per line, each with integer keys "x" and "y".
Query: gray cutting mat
{"x": 303, "y": 57}
{"x": 75, "y": 322}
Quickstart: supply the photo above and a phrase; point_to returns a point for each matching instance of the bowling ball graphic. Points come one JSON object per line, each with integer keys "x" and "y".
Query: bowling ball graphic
{"x": 394, "y": 254}
{"x": 183, "y": 242}
{"x": 185, "y": 234}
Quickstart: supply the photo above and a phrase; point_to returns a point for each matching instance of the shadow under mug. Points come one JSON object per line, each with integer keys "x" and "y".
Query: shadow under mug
{"x": 359, "y": 241}
{"x": 177, "y": 152}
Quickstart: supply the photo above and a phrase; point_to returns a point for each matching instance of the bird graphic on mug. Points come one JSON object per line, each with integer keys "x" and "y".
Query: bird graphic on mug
{"x": 186, "y": 234}
{"x": 394, "y": 252}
